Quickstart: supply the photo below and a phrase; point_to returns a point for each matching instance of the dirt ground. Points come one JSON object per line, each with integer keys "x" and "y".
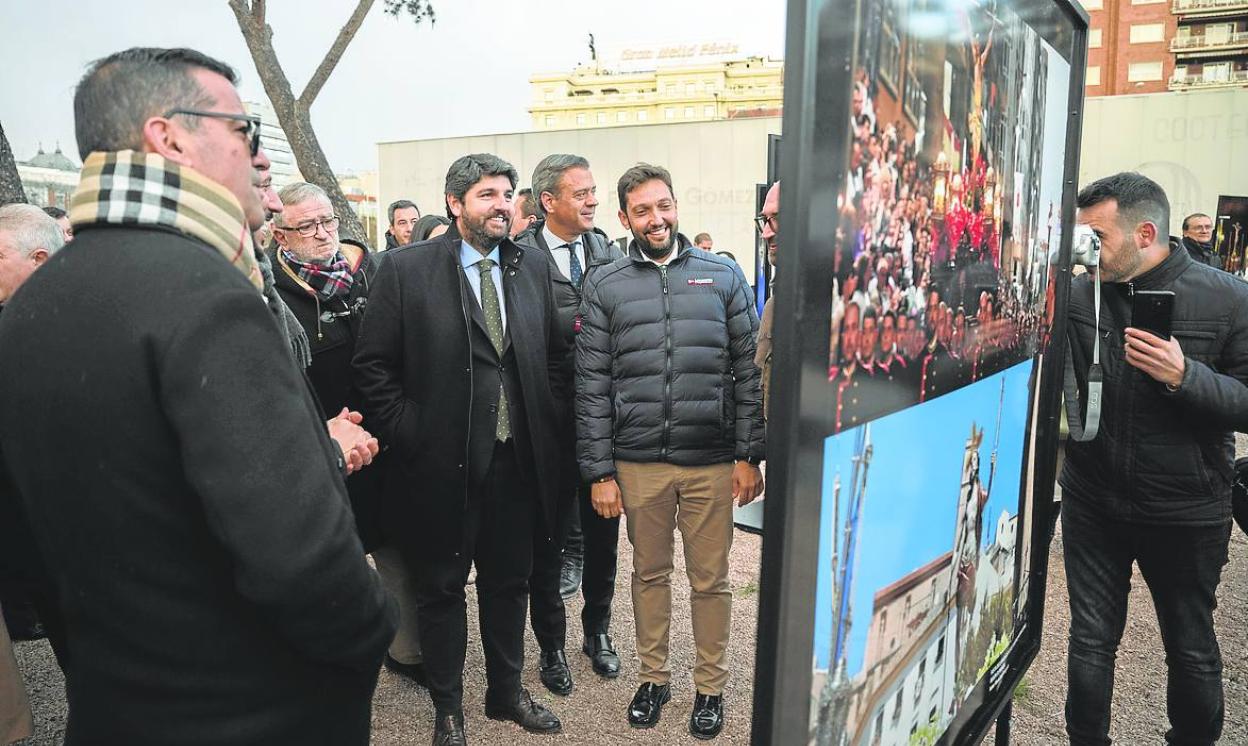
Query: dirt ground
{"x": 594, "y": 712}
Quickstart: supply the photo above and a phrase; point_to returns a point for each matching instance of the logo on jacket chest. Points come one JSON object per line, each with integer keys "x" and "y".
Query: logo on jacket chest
{"x": 701, "y": 281}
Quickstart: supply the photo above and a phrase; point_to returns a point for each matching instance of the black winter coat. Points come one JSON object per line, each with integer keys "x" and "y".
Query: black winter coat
{"x": 665, "y": 364}
{"x": 185, "y": 497}
{"x": 1163, "y": 457}
{"x": 414, "y": 368}
{"x": 331, "y": 326}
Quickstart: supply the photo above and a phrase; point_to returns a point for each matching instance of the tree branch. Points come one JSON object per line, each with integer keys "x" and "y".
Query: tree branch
{"x": 257, "y": 10}
{"x": 334, "y": 54}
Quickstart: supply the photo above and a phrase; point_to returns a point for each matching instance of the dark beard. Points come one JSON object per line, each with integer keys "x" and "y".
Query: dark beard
{"x": 477, "y": 237}
{"x": 660, "y": 253}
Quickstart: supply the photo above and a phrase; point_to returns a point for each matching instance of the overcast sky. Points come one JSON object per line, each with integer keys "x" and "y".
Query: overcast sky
{"x": 468, "y": 74}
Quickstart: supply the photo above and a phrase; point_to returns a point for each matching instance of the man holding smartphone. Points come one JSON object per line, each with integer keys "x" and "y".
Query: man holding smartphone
{"x": 1154, "y": 485}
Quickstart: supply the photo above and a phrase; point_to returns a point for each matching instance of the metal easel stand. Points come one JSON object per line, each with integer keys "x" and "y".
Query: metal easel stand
{"x": 1003, "y": 724}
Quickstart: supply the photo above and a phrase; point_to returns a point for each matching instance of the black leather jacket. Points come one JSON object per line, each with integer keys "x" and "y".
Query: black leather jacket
{"x": 1163, "y": 457}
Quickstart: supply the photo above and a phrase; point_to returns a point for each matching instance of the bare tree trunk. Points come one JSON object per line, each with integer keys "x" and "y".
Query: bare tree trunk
{"x": 10, "y": 183}
{"x": 293, "y": 114}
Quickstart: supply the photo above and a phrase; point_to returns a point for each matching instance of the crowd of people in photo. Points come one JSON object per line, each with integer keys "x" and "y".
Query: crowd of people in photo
{"x": 921, "y": 304}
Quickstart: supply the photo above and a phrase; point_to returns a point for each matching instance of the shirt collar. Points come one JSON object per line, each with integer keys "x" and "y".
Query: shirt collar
{"x": 469, "y": 256}
{"x": 554, "y": 241}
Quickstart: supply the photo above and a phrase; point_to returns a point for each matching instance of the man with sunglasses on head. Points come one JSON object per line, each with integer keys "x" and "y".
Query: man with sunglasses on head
{"x": 193, "y": 513}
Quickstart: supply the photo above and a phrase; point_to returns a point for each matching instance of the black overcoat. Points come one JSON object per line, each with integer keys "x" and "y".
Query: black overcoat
{"x": 414, "y": 369}
{"x": 187, "y": 500}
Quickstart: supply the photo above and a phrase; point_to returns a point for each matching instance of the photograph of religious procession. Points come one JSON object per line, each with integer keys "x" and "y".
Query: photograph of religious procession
{"x": 916, "y": 594}
{"x": 951, "y": 202}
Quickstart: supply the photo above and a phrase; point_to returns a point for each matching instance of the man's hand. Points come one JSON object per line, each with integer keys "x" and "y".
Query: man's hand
{"x": 747, "y": 483}
{"x": 606, "y": 498}
{"x": 358, "y": 446}
{"x": 1159, "y": 358}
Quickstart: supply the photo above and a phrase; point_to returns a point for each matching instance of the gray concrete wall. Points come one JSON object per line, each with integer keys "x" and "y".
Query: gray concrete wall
{"x": 714, "y": 166}
{"x": 1194, "y": 143}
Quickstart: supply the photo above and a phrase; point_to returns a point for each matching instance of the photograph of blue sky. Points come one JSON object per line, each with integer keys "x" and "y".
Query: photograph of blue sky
{"x": 908, "y": 513}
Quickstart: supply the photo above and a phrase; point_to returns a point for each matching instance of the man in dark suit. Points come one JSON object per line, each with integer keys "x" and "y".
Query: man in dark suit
{"x": 566, "y": 236}
{"x": 461, "y": 367}
{"x": 191, "y": 515}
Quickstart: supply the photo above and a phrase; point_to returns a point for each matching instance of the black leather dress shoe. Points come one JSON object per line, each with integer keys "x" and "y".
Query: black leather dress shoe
{"x": 602, "y": 655}
{"x": 412, "y": 671}
{"x": 554, "y": 673}
{"x": 448, "y": 730}
{"x": 647, "y": 705}
{"x": 523, "y": 711}
{"x": 707, "y": 719}
{"x": 570, "y": 575}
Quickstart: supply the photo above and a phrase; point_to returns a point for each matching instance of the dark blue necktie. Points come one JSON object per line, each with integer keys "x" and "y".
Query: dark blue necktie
{"x": 574, "y": 264}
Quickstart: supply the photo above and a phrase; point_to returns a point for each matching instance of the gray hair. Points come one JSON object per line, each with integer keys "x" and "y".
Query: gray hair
{"x": 401, "y": 204}
{"x": 31, "y": 228}
{"x": 548, "y": 173}
{"x": 122, "y": 91}
{"x": 299, "y": 192}
{"x": 469, "y": 169}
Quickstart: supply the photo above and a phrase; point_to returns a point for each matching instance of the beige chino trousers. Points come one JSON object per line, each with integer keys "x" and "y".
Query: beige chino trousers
{"x": 658, "y": 499}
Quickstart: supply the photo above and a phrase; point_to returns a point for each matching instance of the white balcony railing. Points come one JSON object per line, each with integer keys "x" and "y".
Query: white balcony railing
{"x": 1237, "y": 77}
{"x": 1190, "y": 43}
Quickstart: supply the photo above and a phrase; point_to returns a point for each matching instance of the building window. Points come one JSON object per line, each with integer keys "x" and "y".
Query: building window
{"x": 671, "y": 89}
{"x": 688, "y": 112}
{"x": 1092, "y": 4}
{"x": 580, "y": 119}
{"x": 1094, "y": 75}
{"x": 1142, "y": 72}
{"x": 883, "y": 621}
{"x": 550, "y": 94}
{"x": 1148, "y": 33}
{"x": 602, "y": 117}
{"x": 710, "y": 86}
{"x": 669, "y": 113}
{"x": 940, "y": 651}
{"x": 643, "y": 115}
{"x": 890, "y": 58}
{"x": 691, "y": 89}
{"x": 621, "y": 116}
{"x": 708, "y": 112}
{"x": 1094, "y": 38}
{"x": 897, "y": 705}
{"x": 550, "y": 120}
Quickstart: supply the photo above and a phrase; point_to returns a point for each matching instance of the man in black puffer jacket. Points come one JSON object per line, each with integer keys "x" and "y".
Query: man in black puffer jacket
{"x": 667, "y": 399}
{"x": 1154, "y": 486}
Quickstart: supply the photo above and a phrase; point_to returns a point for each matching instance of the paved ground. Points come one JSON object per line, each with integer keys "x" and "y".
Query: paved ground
{"x": 594, "y": 713}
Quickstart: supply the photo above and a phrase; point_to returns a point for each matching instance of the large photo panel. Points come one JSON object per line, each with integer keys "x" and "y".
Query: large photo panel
{"x": 933, "y": 166}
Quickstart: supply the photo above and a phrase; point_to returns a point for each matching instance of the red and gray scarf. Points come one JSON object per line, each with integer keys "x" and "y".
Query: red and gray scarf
{"x": 132, "y": 188}
{"x": 328, "y": 281}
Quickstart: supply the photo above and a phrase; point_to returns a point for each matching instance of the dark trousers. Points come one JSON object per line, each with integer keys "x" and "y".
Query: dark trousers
{"x": 498, "y": 537}
{"x": 596, "y": 540}
{"x": 1181, "y": 567}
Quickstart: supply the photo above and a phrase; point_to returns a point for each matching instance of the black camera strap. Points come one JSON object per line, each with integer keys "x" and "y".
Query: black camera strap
{"x": 1084, "y": 427}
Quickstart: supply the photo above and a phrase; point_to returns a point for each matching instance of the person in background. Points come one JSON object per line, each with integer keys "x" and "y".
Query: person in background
{"x": 403, "y": 214}
{"x": 703, "y": 241}
{"x": 429, "y": 226}
{"x": 62, "y": 220}
{"x": 1198, "y": 239}
{"x": 527, "y": 211}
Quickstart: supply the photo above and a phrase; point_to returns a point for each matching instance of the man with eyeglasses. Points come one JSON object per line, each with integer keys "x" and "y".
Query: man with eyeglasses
{"x": 194, "y": 513}
{"x": 1198, "y": 239}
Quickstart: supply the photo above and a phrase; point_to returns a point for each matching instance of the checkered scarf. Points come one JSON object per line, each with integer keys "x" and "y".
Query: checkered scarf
{"x": 328, "y": 280}
{"x": 132, "y": 188}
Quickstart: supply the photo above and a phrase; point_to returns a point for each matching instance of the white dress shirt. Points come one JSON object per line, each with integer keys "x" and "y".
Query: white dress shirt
{"x": 562, "y": 254}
